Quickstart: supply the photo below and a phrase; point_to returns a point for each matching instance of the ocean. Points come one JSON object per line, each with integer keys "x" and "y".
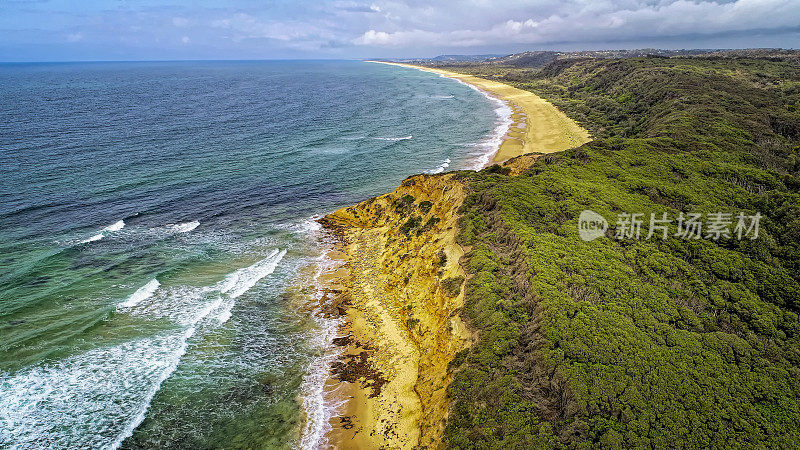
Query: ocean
{"x": 158, "y": 243}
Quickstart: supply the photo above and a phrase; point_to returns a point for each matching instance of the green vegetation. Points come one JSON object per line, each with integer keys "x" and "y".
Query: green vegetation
{"x": 452, "y": 286}
{"x": 638, "y": 343}
{"x": 410, "y": 224}
{"x": 441, "y": 257}
{"x": 429, "y": 225}
{"x": 404, "y": 204}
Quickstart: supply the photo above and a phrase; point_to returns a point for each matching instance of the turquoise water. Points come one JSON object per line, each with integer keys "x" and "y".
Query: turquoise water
{"x": 157, "y": 242}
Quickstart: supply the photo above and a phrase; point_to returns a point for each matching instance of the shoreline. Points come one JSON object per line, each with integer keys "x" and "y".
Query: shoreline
{"x": 537, "y": 126}
{"x": 398, "y": 328}
{"x": 319, "y": 405}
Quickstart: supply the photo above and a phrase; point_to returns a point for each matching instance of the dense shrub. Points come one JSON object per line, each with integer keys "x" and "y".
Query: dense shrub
{"x": 639, "y": 343}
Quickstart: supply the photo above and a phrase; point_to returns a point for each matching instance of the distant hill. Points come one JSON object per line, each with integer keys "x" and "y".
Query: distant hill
{"x": 527, "y": 59}
{"x": 538, "y": 59}
{"x": 466, "y": 57}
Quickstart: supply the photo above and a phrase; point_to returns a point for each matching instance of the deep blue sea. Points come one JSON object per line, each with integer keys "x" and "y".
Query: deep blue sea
{"x": 158, "y": 244}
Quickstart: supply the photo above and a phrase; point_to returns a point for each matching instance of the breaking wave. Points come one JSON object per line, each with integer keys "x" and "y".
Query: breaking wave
{"x": 242, "y": 280}
{"x": 108, "y": 390}
{"x": 185, "y": 227}
{"x": 116, "y": 226}
{"x": 142, "y": 293}
{"x": 403, "y": 138}
{"x": 441, "y": 167}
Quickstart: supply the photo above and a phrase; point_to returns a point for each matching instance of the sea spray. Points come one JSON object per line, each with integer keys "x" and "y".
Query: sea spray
{"x": 179, "y": 304}
{"x": 225, "y": 311}
{"x": 116, "y": 226}
{"x": 392, "y": 139}
{"x": 320, "y": 406}
{"x": 151, "y": 391}
{"x": 491, "y": 144}
{"x": 96, "y": 237}
{"x": 441, "y": 167}
{"x": 55, "y": 402}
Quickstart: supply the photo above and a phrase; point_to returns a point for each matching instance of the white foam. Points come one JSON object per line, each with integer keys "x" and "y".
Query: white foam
{"x": 441, "y": 168}
{"x": 142, "y": 293}
{"x": 403, "y": 138}
{"x": 185, "y": 227}
{"x": 154, "y": 387}
{"x": 96, "y": 399}
{"x": 96, "y": 237}
{"x": 185, "y": 305}
{"x": 490, "y": 145}
{"x": 239, "y": 282}
{"x": 225, "y": 311}
{"x": 88, "y": 400}
{"x": 204, "y": 311}
{"x": 310, "y": 226}
{"x": 181, "y": 305}
{"x": 116, "y": 226}
{"x": 320, "y": 406}
{"x": 443, "y": 97}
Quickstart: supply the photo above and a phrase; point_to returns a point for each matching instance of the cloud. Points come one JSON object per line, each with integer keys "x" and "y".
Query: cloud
{"x": 357, "y": 7}
{"x": 575, "y": 21}
{"x": 373, "y": 37}
{"x": 247, "y": 26}
{"x": 370, "y": 28}
{"x": 302, "y": 35}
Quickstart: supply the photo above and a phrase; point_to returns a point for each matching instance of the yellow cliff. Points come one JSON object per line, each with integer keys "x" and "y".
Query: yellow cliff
{"x": 404, "y": 287}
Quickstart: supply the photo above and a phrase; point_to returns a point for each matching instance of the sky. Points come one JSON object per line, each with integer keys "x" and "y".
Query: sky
{"x": 88, "y": 30}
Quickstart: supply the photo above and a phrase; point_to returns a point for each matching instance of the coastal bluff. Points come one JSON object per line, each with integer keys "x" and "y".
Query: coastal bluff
{"x": 401, "y": 287}
{"x": 403, "y": 290}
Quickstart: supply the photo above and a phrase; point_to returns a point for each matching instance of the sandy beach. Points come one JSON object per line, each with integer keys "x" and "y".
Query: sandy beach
{"x": 538, "y": 126}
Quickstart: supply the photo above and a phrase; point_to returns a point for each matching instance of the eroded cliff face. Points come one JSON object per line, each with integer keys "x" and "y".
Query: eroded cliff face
{"x": 403, "y": 289}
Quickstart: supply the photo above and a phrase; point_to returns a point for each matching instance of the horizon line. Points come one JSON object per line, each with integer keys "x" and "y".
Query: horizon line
{"x": 377, "y": 58}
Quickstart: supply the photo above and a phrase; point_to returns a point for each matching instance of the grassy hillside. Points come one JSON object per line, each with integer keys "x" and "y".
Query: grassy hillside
{"x": 651, "y": 342}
